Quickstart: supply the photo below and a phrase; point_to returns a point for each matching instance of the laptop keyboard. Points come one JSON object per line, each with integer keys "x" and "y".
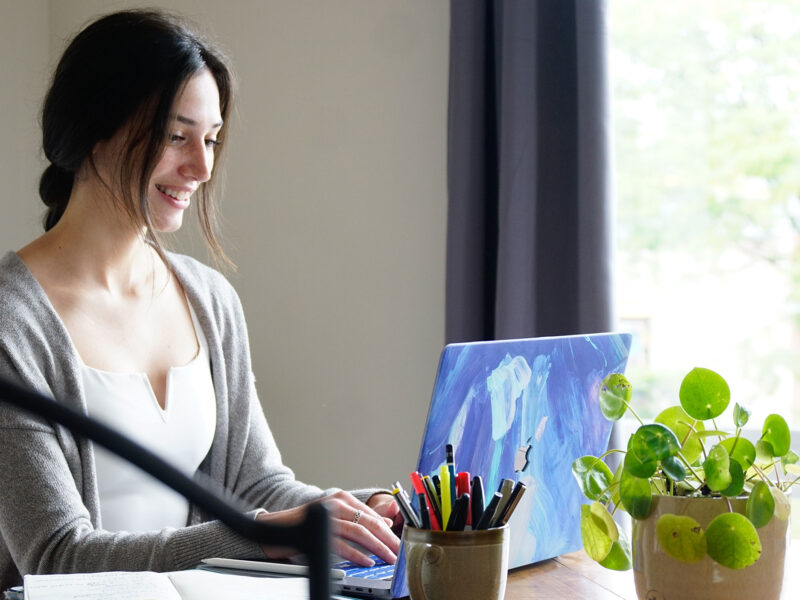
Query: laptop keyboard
{"x": 379, "y": 571}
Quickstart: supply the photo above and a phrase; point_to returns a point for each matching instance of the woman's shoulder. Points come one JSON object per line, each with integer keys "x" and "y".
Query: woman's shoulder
{"x": 18, "y": 287}
{"x": 203, "y": 282}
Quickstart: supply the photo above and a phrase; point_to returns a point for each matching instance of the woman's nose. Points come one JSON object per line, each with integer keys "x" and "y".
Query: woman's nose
{"x": 199, "y": 161}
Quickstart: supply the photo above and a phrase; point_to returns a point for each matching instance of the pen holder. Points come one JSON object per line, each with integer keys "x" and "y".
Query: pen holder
{"x": 453, "y": 565}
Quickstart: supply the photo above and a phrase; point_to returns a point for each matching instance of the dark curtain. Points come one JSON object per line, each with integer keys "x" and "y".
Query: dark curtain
{"x": 528, "y": 240}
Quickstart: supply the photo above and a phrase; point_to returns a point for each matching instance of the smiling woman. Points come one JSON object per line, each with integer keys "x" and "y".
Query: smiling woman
{"x": 128, "y": 123}
{"x": 99, "y": 315}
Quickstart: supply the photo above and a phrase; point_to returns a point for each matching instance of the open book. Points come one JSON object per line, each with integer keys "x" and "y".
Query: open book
{"x": 146, "y": 585}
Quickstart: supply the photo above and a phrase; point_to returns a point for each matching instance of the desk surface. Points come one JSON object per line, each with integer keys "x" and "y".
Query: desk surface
{"x": 577, "y": 577}
{"x": 574, "y": 576}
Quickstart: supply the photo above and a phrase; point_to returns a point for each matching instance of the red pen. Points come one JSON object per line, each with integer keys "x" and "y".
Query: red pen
{"x": 419, "y": 488}
{"x": 463, "y": 487}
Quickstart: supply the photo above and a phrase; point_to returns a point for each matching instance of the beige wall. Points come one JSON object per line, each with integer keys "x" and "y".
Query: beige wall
{"x": 334, "y": 208}
{"x": 24, "y": 64}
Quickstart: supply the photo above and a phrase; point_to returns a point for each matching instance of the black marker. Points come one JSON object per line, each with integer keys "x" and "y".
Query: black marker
{"x": 477, "y": 500}
{"x": 458, "y": 518}
{"x": 425, "y": 516}
{"x": 486, "y": 518}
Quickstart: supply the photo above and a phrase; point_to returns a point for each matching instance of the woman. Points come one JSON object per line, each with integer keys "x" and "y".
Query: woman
{"x": 97, "y": 314}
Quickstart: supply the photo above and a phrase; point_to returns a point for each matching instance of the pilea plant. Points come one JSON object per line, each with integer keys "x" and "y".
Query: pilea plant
{"x": 684, "y": 453}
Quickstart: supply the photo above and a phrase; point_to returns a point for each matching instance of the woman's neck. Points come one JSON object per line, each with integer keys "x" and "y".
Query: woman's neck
{"x": 96, "y": 244}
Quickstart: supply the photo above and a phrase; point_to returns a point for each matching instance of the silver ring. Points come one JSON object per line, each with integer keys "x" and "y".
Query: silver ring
{"x": 357, "y": 516}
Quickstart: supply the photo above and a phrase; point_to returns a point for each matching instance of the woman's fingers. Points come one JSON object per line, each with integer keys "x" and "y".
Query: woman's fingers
{"x": 355, "y": 522}
{"x": 357, "y": 530}
{"x": 385, "y": 505}
{"x": 368, "y": 534}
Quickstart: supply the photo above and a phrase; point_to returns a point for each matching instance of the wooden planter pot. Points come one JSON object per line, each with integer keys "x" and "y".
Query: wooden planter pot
{"x": 658, "y": 576}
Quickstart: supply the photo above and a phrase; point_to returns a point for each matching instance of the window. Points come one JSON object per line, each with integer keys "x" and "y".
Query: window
{"x": 706, "y": 110}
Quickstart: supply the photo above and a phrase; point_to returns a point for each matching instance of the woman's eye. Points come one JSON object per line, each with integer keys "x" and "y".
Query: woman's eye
{"x": 213, "y": 143}
{"x": 175, "y": 138}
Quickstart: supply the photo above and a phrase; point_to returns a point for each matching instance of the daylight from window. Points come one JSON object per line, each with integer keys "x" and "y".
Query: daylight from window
{"x": 706, "y": 122}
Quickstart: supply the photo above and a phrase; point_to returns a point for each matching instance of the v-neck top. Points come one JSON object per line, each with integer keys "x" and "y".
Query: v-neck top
{"x": 181, "y": 433}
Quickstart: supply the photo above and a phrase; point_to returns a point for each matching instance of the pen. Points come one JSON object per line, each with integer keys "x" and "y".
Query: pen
{"x": 519, "y": 489}
{"x": 505, "y": 489}
{"x": 451, "y": 470}
{"x": 437, "y": 483}
{"x": 462, "y": 487}
{"x": 434, "y": 498}
{"x": 425, "y": 515}
{"x": 447, "y": 499}
{"x": 421, "y": 490}
{"x": 406, "y": 499}
{"x": 488, "y": 513}
{"x": 458, "y": 518}
{"x": 476, "y": 500}
{"x": 406, "y": 510}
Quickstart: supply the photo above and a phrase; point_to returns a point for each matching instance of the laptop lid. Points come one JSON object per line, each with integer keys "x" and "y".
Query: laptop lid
{"x": 523, "y": 410}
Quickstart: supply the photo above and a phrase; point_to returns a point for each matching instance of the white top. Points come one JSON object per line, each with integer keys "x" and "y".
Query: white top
{"x": 181, "y": 433}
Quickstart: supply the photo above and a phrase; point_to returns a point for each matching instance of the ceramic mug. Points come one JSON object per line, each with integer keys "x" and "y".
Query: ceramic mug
{"x": 453, "y": 565}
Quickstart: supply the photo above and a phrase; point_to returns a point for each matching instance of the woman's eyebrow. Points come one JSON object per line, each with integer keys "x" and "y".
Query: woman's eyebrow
{"x": 193, "y": 123}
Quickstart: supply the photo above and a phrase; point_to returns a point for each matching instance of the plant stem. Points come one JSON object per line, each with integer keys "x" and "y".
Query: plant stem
{"x": 633, "y": 412}
{"x": 714, "y": 423}
{"x": 688, "y": 466}
{"x": 699, "y": 439}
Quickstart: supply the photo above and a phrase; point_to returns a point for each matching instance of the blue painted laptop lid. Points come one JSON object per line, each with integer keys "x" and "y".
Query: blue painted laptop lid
{"x": 523, "y": 410}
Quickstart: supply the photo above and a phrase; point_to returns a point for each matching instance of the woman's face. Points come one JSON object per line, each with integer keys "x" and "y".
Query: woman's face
{"x": 189, "y": 155}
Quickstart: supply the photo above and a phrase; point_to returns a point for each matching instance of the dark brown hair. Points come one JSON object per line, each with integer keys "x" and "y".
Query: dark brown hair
{"x": 126, "y": 68}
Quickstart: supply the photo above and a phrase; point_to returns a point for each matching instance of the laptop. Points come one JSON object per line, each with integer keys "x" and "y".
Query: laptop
{"x": 514, "y": 409}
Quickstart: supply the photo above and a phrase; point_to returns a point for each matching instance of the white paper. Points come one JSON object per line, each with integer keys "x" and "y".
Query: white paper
{"x": 140, "y": 585}
{"x": 206, "y": 585}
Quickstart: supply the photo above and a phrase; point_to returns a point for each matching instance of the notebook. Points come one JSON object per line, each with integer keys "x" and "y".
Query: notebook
{"x": 523, "y": 410}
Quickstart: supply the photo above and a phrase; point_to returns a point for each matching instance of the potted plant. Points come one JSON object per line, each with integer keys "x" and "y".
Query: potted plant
{"x": 709, "y": 507}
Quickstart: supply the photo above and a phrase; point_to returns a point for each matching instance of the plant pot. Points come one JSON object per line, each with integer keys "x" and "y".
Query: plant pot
{"x": 658, "y": 576}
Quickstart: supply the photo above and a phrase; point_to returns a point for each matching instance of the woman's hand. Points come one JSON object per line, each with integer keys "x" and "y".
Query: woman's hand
{"x": 386, "y": 506}
{"x": 352, "y": 522}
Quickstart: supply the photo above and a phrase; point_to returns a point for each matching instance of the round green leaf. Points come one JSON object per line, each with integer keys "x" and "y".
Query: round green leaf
{"x": 678, "y": 421}
{"x": 674, "y": 469}
{"x": 593, "y": 477}
{"x": 615, "y": 394}
{"x": 615, "y": 485}
{"x": 635, "y": 495}
{"x": 776, "y": 433}
{"x": 732, "y": 541}
{"x": 740, "y": 415}
{"x": 619, "y": 558}
{"x": 655, "y": 441}
{"x": 783, "y": 507}
{"x": 764, "y": 451}
{"x": 741, "y": 450}
{"x": 760, "y": 505}
{"x": 704, "y": 394}
{"x": 639, "y": 460}
{"x": 598, "y": 530}
{"x": 737, "y": 480}
{"x": 717, "y": 469}
{"x": 681, "y": 537}
{"x": 790, "y": 458}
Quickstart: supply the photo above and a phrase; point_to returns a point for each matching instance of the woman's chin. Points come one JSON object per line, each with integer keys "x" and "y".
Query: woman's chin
{"x": 168, "y": 225}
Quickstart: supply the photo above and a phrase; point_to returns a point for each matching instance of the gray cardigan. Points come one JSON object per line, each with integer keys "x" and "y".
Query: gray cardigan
{"x": 49, "y": 506}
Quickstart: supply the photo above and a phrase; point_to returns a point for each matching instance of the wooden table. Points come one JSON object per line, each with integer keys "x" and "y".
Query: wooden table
{"x": 569, "y": 577}
{"x": 577, "y": 577}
